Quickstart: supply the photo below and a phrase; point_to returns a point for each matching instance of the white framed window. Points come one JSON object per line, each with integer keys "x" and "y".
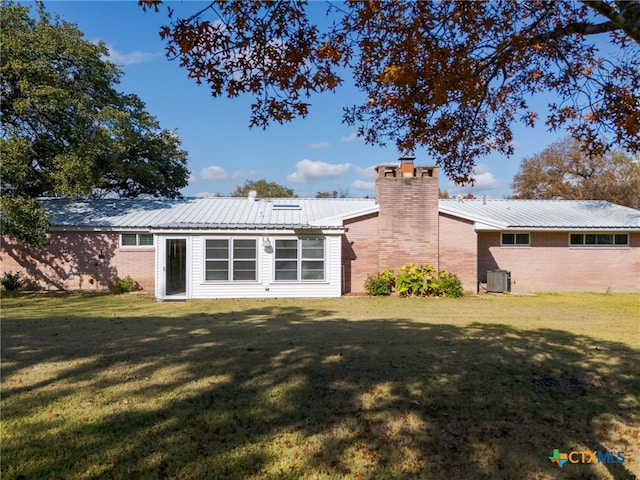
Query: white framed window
{"x": 136, "y": 239}
{"x": 230, "y": 259}
{"x": 515, "y": 239}
{"x": 599, "y": 239}
{"x": 300, "y": 259}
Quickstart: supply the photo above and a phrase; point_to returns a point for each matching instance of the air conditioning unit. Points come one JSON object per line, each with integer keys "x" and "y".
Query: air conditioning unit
{"x": 498, "y": 281}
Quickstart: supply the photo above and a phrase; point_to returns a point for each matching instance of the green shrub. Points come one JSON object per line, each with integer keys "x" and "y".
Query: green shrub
{"x": 127, "y": 284}
{"x": 12, "y": 282}
{"x": 381, "y": 284}
{"x": 449, "y": 285}
{"x": 421, "y": 281}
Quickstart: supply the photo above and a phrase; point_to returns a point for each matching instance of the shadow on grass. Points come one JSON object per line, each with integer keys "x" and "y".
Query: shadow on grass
{"x": 299, "y": 393}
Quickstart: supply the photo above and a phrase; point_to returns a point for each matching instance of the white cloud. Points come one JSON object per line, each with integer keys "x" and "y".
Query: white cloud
{"x": 319, "y": 145}
{"x": 367, "y": 172}
{"x": 484, "y": 180}
{"x": 363, "y": 185}
{"x": 311, "y": 171}
{"x": 193, "y": 178}
{"x": 352, "y": 137}
{"x": 213, "y": 173}
{"x": 123, "y": 59}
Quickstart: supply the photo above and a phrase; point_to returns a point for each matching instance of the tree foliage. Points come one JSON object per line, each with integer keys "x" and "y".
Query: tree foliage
{"x": 331, "y": 194}
{"x": 562, "y": 170}
{"x": 450, "y": 77}
{"x": 263, "y": 189}
{"x": 66, "y": 130}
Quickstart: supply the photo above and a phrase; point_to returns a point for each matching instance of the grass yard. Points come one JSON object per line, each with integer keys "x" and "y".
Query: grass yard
{"x": 119, "y": 386}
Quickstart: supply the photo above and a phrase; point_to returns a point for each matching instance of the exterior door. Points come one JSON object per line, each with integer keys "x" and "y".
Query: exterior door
{"x": 175, "y": 270}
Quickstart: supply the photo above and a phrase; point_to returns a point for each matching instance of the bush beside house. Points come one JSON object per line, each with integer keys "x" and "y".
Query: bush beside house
{"x": 421, "y": 281}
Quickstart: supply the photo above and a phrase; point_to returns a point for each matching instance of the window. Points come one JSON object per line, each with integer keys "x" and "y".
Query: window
{"x": 300, "y": 259}
{"x": 598, "y": 239}
{"x": 227, "y": 259}
{"x": 515, "y": 239}
{"x": 244, "y": 259}
{"x": 136, "y": 240}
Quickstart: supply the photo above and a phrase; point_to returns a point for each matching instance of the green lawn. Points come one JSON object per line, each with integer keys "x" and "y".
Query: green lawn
{"x": 119, "y": 386}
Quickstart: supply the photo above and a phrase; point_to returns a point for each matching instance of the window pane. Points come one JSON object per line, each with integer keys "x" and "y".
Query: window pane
{"x": 287, "y": 243}
{"x": 244, "y": 270}
{"x": 244, "y": 275}
{"x": 287, "y": 253}
{"x": 286, "y": 265}
{"x": 128, "y": 239}
{"x": 315, "y": 253}
{"x": 286, "y": 275}
{"x": 244, "y": 249}
{"x": 312, "y": 243}
{"x": 605, "y": 239}
{"x": 244, "y": 265}
{"x": 621, "y": 239}
{"x": 312, "y": 270}
{"x": 576, "y": 239}
{"x": 217, "y": 249}
{"x": 145, "y": 239}
{"x": 286, "y": 270}
{"x": 217, "y": 270}
{"x": 508, "y": 239}
{"x": 522, "y": 239}
{"x": 590, "y": 239}
{"x": 286, "y": 249}
{"x": 313, "y": 248}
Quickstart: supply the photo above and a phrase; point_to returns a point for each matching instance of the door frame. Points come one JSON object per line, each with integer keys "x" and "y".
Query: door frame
{"x": 161, "y": 262}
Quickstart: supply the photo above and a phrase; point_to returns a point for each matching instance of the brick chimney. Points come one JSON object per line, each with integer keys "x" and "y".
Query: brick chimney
{"x": 408, "y": 218}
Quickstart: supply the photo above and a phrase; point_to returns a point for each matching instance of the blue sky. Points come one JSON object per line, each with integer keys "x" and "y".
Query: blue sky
{"x": 318, "y": 153}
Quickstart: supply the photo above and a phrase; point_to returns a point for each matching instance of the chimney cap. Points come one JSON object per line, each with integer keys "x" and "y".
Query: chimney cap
{"x": 407, "y": 159}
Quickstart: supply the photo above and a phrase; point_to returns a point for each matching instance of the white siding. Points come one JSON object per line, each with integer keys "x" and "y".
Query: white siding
{"x": 265, "y": 286}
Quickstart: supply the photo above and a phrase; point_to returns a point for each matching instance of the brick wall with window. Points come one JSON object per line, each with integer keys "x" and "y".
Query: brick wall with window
{"x": 79, "y": 261}
{"x": 556, "y": 261}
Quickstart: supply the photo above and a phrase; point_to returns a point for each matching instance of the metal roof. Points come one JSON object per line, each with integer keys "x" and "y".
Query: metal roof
{"x": 327, "y": 213}
{"x": 202, "y": 213}
{"x": 543, "y": 214}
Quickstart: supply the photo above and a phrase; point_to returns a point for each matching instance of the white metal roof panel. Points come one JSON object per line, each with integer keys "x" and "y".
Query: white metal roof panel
{"x": 543, "y": 214}
{"x": 202, "y": 213}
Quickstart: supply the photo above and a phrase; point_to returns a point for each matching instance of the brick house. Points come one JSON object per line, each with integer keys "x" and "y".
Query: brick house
{"x": 252, "y": 247}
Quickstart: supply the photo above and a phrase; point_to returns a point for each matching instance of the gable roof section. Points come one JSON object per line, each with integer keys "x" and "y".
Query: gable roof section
{"x": 543, "y": 214}
{"x": 205, "y": 213}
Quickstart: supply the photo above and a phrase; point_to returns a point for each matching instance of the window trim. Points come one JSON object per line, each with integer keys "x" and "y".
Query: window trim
{"x": 137, "y": 235}
{"x": 515, "y": 243}
{"x": 584, "y": 243}
{"x": 300, "y": 259}
{"x": 230, "y": 260}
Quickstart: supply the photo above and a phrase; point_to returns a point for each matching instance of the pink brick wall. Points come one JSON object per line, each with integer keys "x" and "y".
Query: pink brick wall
{"x": 404, "y": 231}
{"x": 458, "y": 250}
{"x": 549, "y": 264}
{"x": 94, "y": 260}
{"x": 408, "y": 221}
{"x": 359, "y": 252}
